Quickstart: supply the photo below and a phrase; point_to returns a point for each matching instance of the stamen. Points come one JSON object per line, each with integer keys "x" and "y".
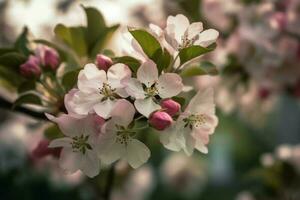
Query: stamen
{"x": 107, "y": 91}
{"x": 194, "y": 121}
{"x": 80, "y": 144}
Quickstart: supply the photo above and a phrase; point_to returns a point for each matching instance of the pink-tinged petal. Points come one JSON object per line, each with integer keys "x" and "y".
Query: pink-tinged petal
{"x": 123, "y": 112}
{"x": 69, "y": 161}
{"x": 104, "y": 108}
{"x": 146, "y": 106}
{"x": 61, "y": 142}
{"x": 201, "y": 134}
{"x": 202, "y": 102}
{"x": 90, "y": 164}
{"x": 194, "y": 29}
{"x": 148, "y": 73}
{"x": 90, "y": 79}
{"x": 117, "y": 75}
{"x": 135, "y": 89}
{"x": 168, "y": 139}
{"x": 83, "y": 103}
{"x": 169, "y": 85}
{"x": 137, "y": 153}
{"x": 122, "y": 92}
{"x": 176, "y": 27}
{"x": 69, "y": 103}
{"x": 70, "y": 126}
{"x": 207, "y": 37}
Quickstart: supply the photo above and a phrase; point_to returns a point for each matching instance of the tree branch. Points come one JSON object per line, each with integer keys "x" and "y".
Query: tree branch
{"x": 5, "y": 104}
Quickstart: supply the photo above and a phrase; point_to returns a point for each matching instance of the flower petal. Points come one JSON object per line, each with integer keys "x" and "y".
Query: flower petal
{"x": 207, "y": 37}
{"x": 104, "y": 108}
{"x": 189, "y": 144}
{"x": 69, "y": 161}
{"x": 147, "y": 73}
{"x": 135, "y": 89}
{"x": 118, "y": 74}
{"x": 194, "y": 29}
{"x": 202, "y": 102}
{"x": 168, "y": 139}
{"x": 201, "y": 147}
{"x": 146, "y": 106}
{"x": 69, "y": 103}
{"x": 83, "y": 103}
{"x": 123, "y": 112}
{"x": 90, "y": 164}
{"x": 61, "y": 142}
{"x": 169, "y": 85}
{"x": 90, "y": 79}
{"x": 137, "y": 153}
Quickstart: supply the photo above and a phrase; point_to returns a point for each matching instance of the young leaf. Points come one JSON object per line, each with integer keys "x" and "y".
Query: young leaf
{"x": 10, "y": 76}
{"x": 162, "y": 59}
{"x": 191, "y": 52}
{"x": 53, "y": 132}
{"x": 131, "y": 62}
{"x": 12, "y": 60}
{"x": 29, "y": 98}
{"x": 21, "y": 43}
{"x": 26, "y": 86}
{"x": 69, "y": 79}
{"x": 203, "y": 68}
{"x": 148, "y": 42}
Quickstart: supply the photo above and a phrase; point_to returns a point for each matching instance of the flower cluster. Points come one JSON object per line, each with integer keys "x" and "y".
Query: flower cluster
{"x": 113, "y": 103}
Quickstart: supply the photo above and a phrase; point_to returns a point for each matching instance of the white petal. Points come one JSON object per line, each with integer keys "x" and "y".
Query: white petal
{"x": 207, "y": 37}
{"x": 137, "y": 153}
{"x": 61, "y": 142}
{"x": 189, "y": 144}
{"x": 83, "y": 103}
{"x": 202, "y": 102}
{"x": 123, "y": 112}
{"x": 146, "y": 106}
{"x": 69, "y": 161}
{"x": 176, "y": 27}
{"x": 90, "y": 164}
{"x": 194, "y": 29}
{"x": 104, "y": 108}
{"x": 135, "y": 89}
{"x": 117, "y": 75}
{"x": 169, "y": 85}
{"x": 90, "y": 79}
{"x": 147, "y": 73}
{"x": 69, "y": 125}
{"x": 201, "y": 147}
{"x": 69, "y": 103}
{"x": 168, "y": 139}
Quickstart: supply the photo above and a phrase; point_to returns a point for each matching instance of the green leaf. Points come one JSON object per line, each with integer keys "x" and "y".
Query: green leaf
{"x": 103, "y": 38}
{"x": 6, "y": 50}
{"x": 12, "y": 60}
{"x": 131, "y": 62}
{"x": 148, "y": 42}
{"x": 26, "y": 86}
{"x": 10, "y": 76}
{"x": 179, "y": 100}
{"x": 74, "y": 37}
{"x": 203, "y": 68}
{"x": 191, "y": 52}
{"x": 95, "y": 25}
{"x": 22, "y": 42}
{"x": 29, "y": 98}
{"x": 162, "y": 59}
{"x": 70, "y": 79}
{"x": 53, "y": 132}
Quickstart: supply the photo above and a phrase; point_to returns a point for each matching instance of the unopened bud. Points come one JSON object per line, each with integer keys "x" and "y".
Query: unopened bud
{"x": 103, "y": 62}
{"x": 170, "y": 106}
{"x": 31, "y": 67}
{"x": 160, "y": 120}
{"x": 48, "y": 56}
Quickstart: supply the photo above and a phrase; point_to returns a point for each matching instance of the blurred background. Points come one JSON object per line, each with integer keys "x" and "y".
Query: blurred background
{"x": 255, "y": 151}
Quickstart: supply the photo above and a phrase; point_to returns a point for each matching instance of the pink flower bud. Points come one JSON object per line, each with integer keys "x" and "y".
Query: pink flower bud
{"x": 31, "y": 67}
{"x": 51, "y": 58}
{"x": 160, "y": 120}
{"x": 170, "y": 106}
{"x": 278, "y": 20}
{"x": 103, "y": 62}
{"x": 42, "y": 150}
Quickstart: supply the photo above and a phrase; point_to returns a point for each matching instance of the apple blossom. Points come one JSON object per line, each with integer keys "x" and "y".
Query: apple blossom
{"x": 193, "y": 126}
{"x": 31, "y": 67}
{"x": 78, "y": 145}
{"x": 103, "y": 62}
{"x": 116, "y": 140}
{"x": 180, "y": 34}
{"x": 170, "y": 106}
{"x": 99, "y": 91}
{"x": 147, "y": 87}
{"x": 160, "y": 120}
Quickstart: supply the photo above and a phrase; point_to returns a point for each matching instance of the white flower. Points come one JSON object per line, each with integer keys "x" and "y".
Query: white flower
{"x": 193, "y": 126}
{"x": 78, "y": 147}
{"x": 147, "y": 87}
{"x": 98, "y": 90}
{"x": 116, "y": 139}
{"x": 180, "y": 34}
